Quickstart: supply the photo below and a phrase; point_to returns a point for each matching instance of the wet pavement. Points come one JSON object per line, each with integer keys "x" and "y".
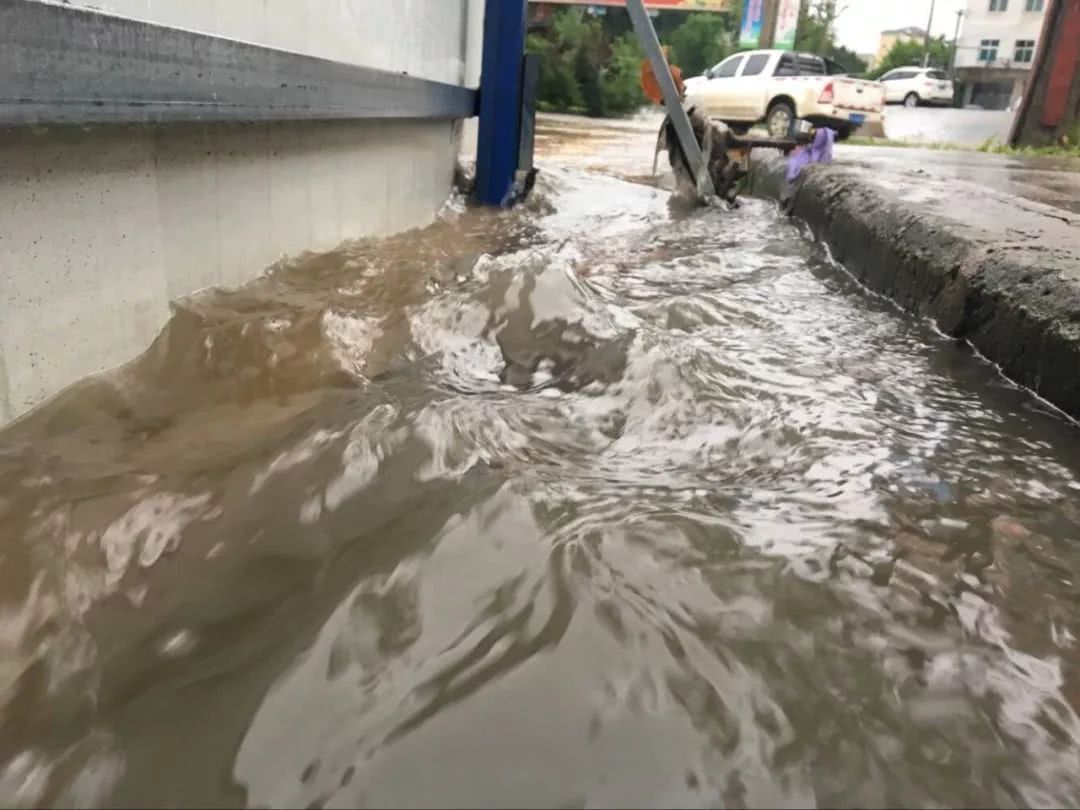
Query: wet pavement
{"x": 604, "y": 501}
{"x": 1046, "y": 181}
{"x": 625, "y": 147}
{"x": 947, "y": 125}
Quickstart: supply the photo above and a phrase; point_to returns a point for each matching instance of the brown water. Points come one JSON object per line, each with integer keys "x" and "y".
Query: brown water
{"x": 598, "y": 502}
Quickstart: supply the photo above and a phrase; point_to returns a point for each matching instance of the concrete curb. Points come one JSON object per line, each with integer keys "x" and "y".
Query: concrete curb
{"x": 1014, "y": 296}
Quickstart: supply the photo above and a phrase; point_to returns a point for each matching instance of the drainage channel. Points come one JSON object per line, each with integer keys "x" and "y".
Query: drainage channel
{"x": 598, "y": 501}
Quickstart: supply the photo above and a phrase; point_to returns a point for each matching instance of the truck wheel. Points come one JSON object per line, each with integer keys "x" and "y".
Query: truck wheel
{"x": 911, "y": 100}
{"x": 779, "y": 119}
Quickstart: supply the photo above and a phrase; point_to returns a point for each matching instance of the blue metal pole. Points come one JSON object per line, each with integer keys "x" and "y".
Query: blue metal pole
{"x": 500, "y": 100}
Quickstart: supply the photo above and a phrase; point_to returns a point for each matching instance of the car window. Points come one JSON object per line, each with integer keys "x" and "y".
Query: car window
{"x": 786, "y": 66}
{"x": 810, "y": 65}
{"x": 755, "y": 63}
{"x": 835, "y": 68}
{"x": 727, "y": 68}
{"x": 938, "y": 75}
{"x": 903, "y": 75}
{"x": 888, "y": 77}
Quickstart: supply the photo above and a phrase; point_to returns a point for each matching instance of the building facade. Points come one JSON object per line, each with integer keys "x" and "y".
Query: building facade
{"x": 890, "y": 38}
{"x": 996, "y": 49}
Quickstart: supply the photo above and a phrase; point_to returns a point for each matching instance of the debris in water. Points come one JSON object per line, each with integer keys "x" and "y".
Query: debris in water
{"x": 179, "y": 644}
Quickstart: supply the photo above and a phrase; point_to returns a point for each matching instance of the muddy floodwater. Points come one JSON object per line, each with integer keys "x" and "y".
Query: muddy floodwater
{"x": 598, "y": 502}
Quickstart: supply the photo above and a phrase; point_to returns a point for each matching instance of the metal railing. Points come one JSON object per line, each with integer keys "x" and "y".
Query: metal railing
{"x": 67, "y": 65}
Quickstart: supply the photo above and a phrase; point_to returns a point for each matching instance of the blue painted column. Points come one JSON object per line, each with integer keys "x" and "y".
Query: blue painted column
{"x": 500, "y": 100}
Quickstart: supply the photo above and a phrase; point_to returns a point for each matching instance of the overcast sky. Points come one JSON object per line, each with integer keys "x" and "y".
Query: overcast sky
{"x": 860, "y": 26}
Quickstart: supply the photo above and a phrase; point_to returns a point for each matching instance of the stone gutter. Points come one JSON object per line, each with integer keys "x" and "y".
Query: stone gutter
{"x": 997, "y": 271}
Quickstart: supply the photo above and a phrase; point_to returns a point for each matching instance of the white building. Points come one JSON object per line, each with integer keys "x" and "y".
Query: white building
{"x": 996, "y": 48}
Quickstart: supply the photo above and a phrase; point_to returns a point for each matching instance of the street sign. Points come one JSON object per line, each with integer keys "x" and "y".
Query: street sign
{"x": 787, "y": 24}
{"x": 653, "y": 5}
{"x": 752, "y": 22}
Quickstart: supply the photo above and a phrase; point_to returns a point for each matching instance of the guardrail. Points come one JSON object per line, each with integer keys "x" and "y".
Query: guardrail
{"x": 66, "y": 65}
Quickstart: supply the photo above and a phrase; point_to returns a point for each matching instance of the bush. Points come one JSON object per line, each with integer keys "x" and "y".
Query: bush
{"x": 557, "y": 88}
{"x": 582, "y": 71}
{"x": 621, "y": 82}
{"x": 814, "y": 35}
{"x": 910, "y": 53}
{"x": 587, "y": 73}
{"x": 700, "y": 42}
{"x": 585, "y": 65}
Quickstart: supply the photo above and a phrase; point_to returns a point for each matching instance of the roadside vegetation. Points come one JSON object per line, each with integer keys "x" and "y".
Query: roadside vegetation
{"x": 938, "y": 146}
{"x": 1069, "y": 148}
{"x": 910, "y": 54}
{"x": 589, "y": 63}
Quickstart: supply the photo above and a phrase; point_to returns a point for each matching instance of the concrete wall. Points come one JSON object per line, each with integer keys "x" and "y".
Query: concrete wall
{"x": 101, "y": 228}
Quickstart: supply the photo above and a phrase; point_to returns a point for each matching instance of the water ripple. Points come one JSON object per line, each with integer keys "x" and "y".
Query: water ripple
{"x": 599, "y": 501}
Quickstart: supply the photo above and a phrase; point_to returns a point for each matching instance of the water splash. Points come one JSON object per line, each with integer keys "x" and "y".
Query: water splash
{"x": 598, "y": 501}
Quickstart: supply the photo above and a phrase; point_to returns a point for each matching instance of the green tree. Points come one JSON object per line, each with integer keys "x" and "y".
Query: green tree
{"x": 622, "y": 87}
{"x": 587, "y": 71}
{"x": 592, "y": 64}
{"x": 557, "y": 89}
{"x": 585, "y": 67}
{"x": 814, "y": 34}
{"x": 852, "y": 62}
{"x": 817, "y": 24}
{"x": 910, "y": 53}
{"x": 570, "y": 28}
{"x": 700, "y": 42}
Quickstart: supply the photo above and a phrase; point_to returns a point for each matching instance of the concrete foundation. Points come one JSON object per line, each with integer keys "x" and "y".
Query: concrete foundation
{"x": 100, "y": 230}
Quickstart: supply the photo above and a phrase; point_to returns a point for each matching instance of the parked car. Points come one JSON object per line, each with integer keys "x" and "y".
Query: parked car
{"x": 915, "y": 86}
{"x": 776, "y": 87}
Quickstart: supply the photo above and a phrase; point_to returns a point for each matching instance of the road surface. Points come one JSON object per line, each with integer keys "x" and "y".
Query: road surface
{"x": 935, "y": 125}
{"x": 626, "y": 147}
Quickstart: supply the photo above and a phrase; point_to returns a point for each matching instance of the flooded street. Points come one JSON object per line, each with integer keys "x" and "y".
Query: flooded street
{"x": 598, "y": 502}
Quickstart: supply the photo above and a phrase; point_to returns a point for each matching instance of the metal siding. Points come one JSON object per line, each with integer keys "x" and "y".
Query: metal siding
{"x": 67, "y": 65}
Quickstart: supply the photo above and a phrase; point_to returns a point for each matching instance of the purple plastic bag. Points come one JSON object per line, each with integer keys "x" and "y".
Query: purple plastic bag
{"x": 820, "y": 151}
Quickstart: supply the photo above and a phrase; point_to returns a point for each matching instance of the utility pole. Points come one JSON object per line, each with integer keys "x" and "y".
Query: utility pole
{"x": 955, "y": 45}
{"x": 646, "y": 34}
{"x": 1050, "y": 107}
{"x": 768, "y": 24}
{"x": 926, "y": 41}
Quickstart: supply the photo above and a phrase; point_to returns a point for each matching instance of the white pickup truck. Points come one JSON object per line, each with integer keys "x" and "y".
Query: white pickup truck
{"x": 776, "y": 87}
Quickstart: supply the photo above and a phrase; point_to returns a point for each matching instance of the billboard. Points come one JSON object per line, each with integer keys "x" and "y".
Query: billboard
{"x": 752, "y": 22}
{"x": 787, "y": 24}
{"x": 653, "y": 5}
